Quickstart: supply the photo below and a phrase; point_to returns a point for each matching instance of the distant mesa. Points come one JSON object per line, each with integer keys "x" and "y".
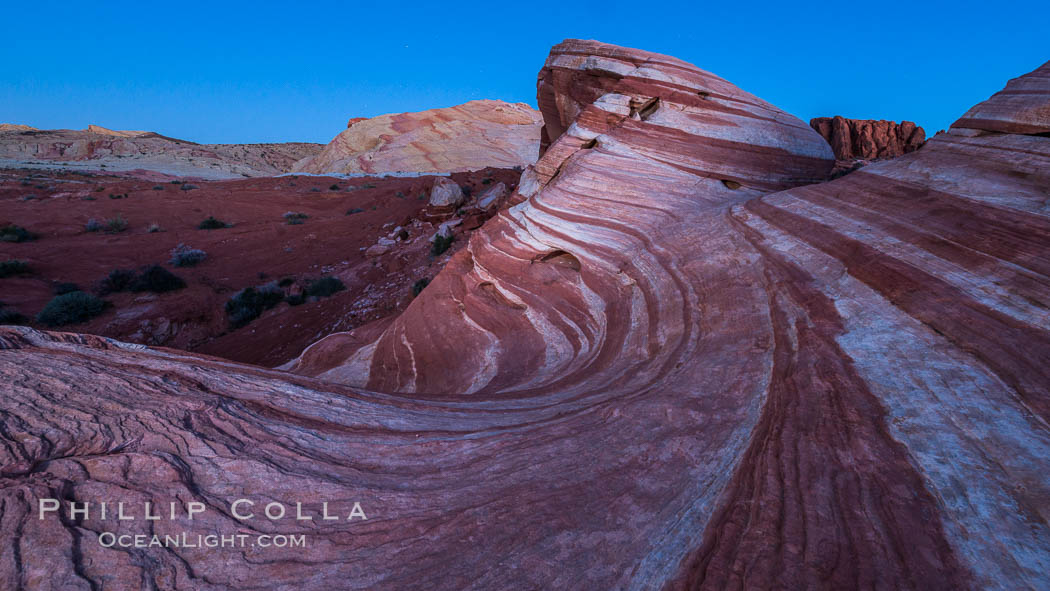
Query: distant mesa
{"x": 471, "y": 136}
{"x": 15, "y": 127}
{"x": 97, "y": 147}
{"x": 867, "y": 139}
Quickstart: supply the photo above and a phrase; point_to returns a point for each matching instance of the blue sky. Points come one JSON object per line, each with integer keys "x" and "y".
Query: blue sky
{"x": 261, "y": 71}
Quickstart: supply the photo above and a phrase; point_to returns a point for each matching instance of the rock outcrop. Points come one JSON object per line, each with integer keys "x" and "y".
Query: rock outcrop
{"x": 674, "y": 363}
{"x": 865, "y": 139}
{"x": 1019, "y": 108}
{"x": 15, "y": 127}
{"x": 117, "y": 133}
{"x": 471, "y": 136}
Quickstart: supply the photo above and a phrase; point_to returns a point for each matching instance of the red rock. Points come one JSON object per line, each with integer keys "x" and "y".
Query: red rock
{"x": 866, "y": 139}
{"x": 672, "y": 364}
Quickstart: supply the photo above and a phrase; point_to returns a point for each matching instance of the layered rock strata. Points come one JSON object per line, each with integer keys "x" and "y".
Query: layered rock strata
{"x": 674, "y": 363}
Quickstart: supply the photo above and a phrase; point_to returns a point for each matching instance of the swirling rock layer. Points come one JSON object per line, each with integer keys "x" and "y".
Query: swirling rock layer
{"x": 659, "y": 369}
{"x": 1022, "y": 107}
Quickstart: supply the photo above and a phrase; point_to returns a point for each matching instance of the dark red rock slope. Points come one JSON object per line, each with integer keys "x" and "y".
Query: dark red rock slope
{"x": 865, "y": 139}
{"x": 653, "y": 371}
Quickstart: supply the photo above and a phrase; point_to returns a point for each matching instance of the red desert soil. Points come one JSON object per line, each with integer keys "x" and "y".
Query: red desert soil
{"x": 260, "y": 247}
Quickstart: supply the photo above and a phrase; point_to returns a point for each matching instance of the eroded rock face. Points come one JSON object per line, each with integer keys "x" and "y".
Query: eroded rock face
{"x": 672, "y": 364}
{"x": 471, "y": 136}
{"x": 15, "y": 127}
{"x": 865, "y": 139}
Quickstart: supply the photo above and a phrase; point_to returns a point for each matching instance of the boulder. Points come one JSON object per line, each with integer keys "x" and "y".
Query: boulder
{"x": 446, "y": 194}
{"x": 490, "y": 198}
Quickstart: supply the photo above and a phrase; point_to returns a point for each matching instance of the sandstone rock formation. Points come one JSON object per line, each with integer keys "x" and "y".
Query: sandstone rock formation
{"x": 471, "y": 136}
{"x": 98, "y": 148}
{"x": 116, "y": 133}
{"x": 663, "y": 368}
{"x": 15, "y": 127}
{"x": 1021, "y": 107}
{"x": 853, "y": 139}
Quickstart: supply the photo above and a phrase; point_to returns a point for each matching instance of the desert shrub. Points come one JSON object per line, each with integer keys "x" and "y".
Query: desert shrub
{"x": 93, "y": 225}
{"x": 117, "y": 280}
{"x": 28, "y": 197}
{"x": 400, "y": 194}
{"x": 368, "y": 186}
{"x": 12, "y": 317}
{"x": 13, "y": 267}
{"x": 354, "y": 210}
{"x": 158, "y": 187}
{"x": 175, "y": 182}
{"x": 13, "y": 233}
{"x": 324, "y": 287}
{"x": 70, "y": 308}
{"x": 334, "y": 187}
{"x": 419, "y": 286}
{"x": 116, "y": 225}
{"x": 156, "y": 279}
{"x": 295, "y": 299}
{"x": 64, "y": 287}
{"x": 153, "y": 228}
{"x": 486, "y": 181}
{"x": 517, "y": 169}
{"x": 188, "y": 187}
{"x": 212, "y": 224}
{"x": 118, "y": 195}
{"x": 441, "y": 244}
{"x": 294, "y": 218}
{"x": 286, "y": 281}
{"x": 185, "y": 256}
{"x": 246, "y": 305}
{"x": 467, "y": 190}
